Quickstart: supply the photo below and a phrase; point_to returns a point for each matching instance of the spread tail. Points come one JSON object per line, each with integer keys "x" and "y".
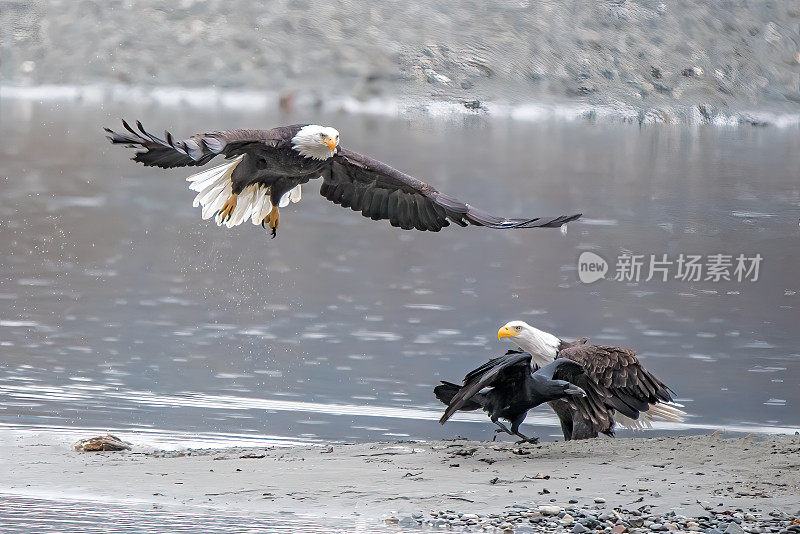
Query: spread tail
{"x": 445, "y": 393}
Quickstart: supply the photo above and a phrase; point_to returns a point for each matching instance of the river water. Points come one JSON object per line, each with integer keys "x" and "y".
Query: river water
{"x": 121, "y": 310}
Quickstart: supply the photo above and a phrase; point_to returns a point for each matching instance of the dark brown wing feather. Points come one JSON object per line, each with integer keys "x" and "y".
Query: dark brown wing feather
{"x": 508, "y": 368}
{"x": 621, "y": 381}
{"x": 380, "y": 192}
{"x": 198, "y": 149}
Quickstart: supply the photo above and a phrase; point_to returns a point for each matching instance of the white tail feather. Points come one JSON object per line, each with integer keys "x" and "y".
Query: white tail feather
{"x": 292, "y": 195}
{"x": 262, "y": 200}
{"x": 295, "y": 194}
{"x": 633, "y": 424}
{"x": 214, "y": 188}
{"x": 663, "y": 411}
{"x": 204, "y": 196}
{"x": 243, "y": 207}
{"x": 667, "y": 412}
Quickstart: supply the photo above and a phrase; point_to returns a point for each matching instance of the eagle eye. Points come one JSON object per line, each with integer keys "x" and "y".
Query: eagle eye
{"x": 518, "y": 328}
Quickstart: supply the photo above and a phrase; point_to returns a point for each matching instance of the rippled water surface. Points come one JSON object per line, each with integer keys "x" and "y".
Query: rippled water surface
{"x": 25, "y": 515}
{"x": 121, "y": 309}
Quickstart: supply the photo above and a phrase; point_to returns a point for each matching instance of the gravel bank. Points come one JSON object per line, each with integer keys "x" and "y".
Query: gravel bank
{"x": 669, "y": 60}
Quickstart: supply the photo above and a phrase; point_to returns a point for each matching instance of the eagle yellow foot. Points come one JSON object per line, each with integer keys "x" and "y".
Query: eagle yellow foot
{"x": 272, "y": 220}
{"x": 227, "y": 209}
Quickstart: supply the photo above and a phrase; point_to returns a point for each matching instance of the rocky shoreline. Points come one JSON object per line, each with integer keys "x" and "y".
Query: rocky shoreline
{"x": 597, "y": 518}
{"x": 647, "y": 62}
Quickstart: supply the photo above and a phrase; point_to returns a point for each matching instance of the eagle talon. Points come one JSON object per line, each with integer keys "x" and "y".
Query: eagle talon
{"x": 272, "y": 220}
{"x": 227, "y": 209}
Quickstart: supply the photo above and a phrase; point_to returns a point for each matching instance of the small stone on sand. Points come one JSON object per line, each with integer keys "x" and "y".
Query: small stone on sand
{"x": 102, "y": 443}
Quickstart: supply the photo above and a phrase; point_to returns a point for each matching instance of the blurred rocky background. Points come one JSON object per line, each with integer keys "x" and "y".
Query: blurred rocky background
{"x": 645, "y": 54}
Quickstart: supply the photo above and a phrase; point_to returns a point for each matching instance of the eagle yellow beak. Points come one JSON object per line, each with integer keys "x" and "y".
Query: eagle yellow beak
{"x": 331, "y": 144}
{"x": 506, "y": 332}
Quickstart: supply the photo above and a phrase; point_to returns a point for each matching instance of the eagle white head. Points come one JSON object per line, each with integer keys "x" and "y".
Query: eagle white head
{"x": 543, "y": 347}
{"x": 317, "y": 142}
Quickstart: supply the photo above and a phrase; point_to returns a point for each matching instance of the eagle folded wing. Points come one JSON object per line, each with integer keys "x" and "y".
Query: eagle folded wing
{"x": 379, "y": 191}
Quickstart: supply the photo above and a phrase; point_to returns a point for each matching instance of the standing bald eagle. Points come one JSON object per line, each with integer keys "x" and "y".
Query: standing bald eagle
{"x": 618, "y": 388}
{"x": 268, "y": 166}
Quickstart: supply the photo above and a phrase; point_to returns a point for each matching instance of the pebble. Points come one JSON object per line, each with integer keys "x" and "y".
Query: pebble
{"x": 578, "y": 529}
{"x": 599, "y": 500}
{"x": 408, "y": 521}
{"x": 547, "y": 509}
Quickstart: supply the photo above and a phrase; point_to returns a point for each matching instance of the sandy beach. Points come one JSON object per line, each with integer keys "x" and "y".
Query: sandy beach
{"x": 689, "y": 476}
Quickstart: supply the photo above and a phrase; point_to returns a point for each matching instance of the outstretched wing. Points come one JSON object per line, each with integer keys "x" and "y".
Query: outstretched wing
{"x": 380, "y": 192}
{"x": 198, "y": 149}
{"x": 507, "y": 368}
{"x": 620, "y": 380}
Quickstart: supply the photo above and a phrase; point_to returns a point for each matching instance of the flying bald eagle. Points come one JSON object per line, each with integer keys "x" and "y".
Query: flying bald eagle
{"x": 618, "y": 388}
{"x": 267, "y": 168}
{"x": 505, "y": 388}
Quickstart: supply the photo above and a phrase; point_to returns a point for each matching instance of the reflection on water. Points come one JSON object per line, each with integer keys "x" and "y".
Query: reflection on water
{"x": 120, "y": 309}
{"x": 24, "y": 515}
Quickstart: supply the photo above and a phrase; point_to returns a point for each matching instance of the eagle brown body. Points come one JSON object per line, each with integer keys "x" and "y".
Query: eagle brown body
{"x": 618, "y": 387}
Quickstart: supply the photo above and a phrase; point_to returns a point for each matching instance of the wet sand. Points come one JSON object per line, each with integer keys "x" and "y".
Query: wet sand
{"x": 377, "y": 480}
